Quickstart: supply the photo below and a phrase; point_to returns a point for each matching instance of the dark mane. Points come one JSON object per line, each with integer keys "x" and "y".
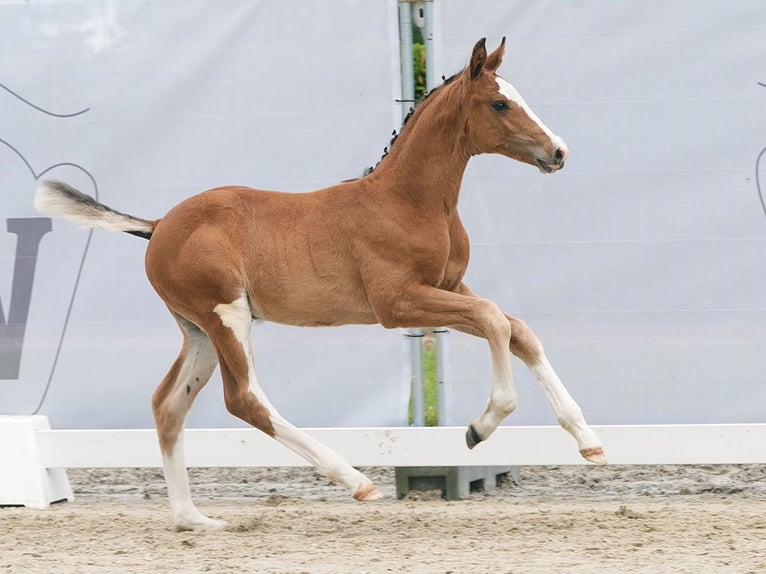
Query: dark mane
{"x": 387, "y": 149}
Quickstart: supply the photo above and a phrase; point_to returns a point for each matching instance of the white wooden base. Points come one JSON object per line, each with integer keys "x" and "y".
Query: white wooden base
{"x": 24, "y": 478}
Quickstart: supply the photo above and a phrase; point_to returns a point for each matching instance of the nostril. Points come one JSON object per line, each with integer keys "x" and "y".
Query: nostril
{"x": 559, "y": 156}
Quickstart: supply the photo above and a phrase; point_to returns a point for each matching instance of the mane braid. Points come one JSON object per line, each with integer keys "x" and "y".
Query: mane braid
{"x": 395, "y": 134}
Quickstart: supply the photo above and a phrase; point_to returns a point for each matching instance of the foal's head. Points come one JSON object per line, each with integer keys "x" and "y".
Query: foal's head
{"x": 500, "y": 121}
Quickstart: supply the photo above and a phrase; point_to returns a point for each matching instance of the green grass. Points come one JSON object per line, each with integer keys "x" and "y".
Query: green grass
{"x": 431, "y": 386}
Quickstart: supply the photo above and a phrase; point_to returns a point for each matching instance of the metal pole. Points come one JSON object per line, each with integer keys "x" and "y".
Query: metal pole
{"x": 405, "y": 47}
{"x": 428, "y": 37}
{"x": 442, "y": 398}
{"x": 415, "y": 337}
{"x": 441, "y": 348}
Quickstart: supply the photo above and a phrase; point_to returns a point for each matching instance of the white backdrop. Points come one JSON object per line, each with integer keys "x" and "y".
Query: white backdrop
{"x": 180, "y": 97}
{"x": 641, "y": 265}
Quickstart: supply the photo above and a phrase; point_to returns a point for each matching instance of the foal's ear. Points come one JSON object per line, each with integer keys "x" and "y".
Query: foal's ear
{"x": 496, "y": 58}
{"x": 478, "y": 58}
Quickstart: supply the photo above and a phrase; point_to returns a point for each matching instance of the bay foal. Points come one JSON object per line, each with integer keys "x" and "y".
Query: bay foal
{"x": 388, "y": 248}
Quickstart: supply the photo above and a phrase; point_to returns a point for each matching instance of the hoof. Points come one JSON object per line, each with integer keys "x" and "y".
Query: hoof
{"x": 199, "y": 523}
{"x": 594, "y": 455}
{"x": 472, "y": 438}
{"x": 367, "y": 492}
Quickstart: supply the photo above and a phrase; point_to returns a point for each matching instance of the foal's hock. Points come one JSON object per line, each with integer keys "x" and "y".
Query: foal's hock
{"x": 387, "y": 248}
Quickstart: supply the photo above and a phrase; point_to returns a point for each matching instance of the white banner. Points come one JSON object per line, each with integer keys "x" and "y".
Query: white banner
{"x": 143, "y": 104}
{"x": 642, "y": 265}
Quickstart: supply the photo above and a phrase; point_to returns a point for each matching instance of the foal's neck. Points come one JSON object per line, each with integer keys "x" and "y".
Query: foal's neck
{"x": 427, "y": 162}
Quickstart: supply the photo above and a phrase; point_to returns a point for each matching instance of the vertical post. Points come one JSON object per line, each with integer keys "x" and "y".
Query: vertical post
{"x": 441, "y": 349}
{"x": 442, "y": 398}
{"x": 428, "y": 38}
{"x": 405, "y": 46}
{"x": 415, "y": 337}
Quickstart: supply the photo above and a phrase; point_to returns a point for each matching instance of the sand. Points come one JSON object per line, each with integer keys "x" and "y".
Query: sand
{"x": 568, "y": 519}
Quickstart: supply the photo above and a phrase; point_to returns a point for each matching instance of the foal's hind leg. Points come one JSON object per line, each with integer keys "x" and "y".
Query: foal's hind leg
{"x": 170, "y": 403}
{"x": 229, "y": 329}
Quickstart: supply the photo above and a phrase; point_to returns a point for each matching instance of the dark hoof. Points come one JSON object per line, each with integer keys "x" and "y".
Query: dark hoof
{"x": 472, "y": 438}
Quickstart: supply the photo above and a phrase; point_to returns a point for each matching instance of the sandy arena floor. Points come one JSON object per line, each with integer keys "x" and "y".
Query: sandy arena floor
{"x": 287, "y": 521}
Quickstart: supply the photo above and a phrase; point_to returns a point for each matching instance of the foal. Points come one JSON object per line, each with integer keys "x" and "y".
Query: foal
{"x": 388, "y": 248}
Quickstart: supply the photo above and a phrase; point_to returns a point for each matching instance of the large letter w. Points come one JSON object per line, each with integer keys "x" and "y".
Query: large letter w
{"x": 29, "y": 232}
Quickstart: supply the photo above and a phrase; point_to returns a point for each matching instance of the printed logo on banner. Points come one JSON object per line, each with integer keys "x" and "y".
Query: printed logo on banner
{"x": 29, "y": 231}
{"x": 17, "y": 351}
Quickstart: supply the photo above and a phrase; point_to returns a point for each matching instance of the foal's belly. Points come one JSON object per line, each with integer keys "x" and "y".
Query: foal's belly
{"x": 309, "y": 306}
{"x": 294, "y": 291}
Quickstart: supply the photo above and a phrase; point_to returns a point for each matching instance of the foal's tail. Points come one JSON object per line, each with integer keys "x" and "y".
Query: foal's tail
{"x": 58, "y": 198}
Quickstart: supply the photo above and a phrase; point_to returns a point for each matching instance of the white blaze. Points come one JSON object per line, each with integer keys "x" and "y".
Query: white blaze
{"x": 513, "y": 95}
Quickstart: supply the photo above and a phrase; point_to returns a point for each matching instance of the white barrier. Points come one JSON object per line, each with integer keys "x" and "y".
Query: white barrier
{"x": 25, "y": 479}
{"x": 47, "y": 449}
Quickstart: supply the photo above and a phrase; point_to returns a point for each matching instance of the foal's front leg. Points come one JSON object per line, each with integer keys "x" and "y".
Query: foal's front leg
{"x": 525, "y": 345}
{"x": 424, "y": 306}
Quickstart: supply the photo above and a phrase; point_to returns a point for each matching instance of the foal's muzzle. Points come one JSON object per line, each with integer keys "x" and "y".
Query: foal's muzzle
{"x": 557, "y": 162}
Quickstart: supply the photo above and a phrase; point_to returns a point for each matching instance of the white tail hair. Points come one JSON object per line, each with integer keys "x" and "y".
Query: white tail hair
{"x": 61, "y": 199}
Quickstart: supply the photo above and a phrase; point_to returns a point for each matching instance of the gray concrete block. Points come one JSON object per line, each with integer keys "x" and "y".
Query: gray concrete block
{"x": 455, "y": 482}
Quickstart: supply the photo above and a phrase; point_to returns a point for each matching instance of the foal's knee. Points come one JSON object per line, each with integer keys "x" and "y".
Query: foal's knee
{"x": 494, "y": 322}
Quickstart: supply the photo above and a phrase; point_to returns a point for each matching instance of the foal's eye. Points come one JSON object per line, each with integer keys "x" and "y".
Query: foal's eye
{"x": 500, "y": 106}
